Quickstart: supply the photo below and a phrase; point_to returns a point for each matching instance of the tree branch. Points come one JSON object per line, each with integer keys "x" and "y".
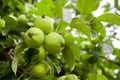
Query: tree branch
{"x": 6, "y": 53}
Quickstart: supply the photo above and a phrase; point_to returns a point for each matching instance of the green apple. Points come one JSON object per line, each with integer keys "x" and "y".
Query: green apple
{"x": 34, "y": 37}
{"x": 22, "y": 19}
{"x": 42, "y": 53}
{"x": 54, "y": 43}
{"x": 2, "y": 23}
{"x": 44, "y": 23}
{"x": 71, "y": 77}
{"x": 62, "y": 78}
{"x": 40, "y": 70}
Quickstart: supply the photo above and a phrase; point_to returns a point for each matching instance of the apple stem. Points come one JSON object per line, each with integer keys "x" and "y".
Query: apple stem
{"x": 30, "y": 35}
{"x": 43, "y": 16}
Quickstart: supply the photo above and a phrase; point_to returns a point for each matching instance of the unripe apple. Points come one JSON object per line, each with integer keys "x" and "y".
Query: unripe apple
{"x": 42, "y": 53}
{"x": 44, "y": 23}
{"x": 34, "y": 37}
{"x": 22, "y": 19}
{"x": 2, "y": 23}
{"x": 40, "y": 70}
{"x": 54, "y": 43}
{"x": 62, "y": 78}
{"x": 71, "y": 77}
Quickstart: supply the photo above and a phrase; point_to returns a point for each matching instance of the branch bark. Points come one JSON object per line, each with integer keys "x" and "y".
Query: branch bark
{"x": 6, "y": 53}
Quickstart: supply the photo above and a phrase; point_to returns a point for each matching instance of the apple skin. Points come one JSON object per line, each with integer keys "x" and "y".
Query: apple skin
{"x": 22, "y": 19}
{"x": 42, "y": 53}
{"x": 34, "y": 37}
{"x": 44, "y": 23}
{"x": 40, "y": 70}
{"x": 54, "y": 43}
{"x": 2, "y": 23}
{"x": 62, "y": 78}
{"x": 71, "y": 77}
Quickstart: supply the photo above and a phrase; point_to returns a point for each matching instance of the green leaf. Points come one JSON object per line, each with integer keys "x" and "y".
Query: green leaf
{"x": 64, "y": 2}
{"x": 69, "y": 39}
{"x": 20, "y": 5}
{"x": 110, "y": 18}
{"x": 116, "y": 2}
{"x": 87, "y": 6}
{"x": 63, "y": 26}
{"x": 15, "y": 64}
{"x": 4, "y": 66}
{"x": 96, "y": 25}
{"x": 91, "y": 76}
{"x": 80, "y": 24}
{"x": 30, "y": 56}
{"x": 18, "y": 50}
{"x": 44, "y": 7}
{"x": 52, "y": 65}
{"x": 97, "y": 28}
{"x": 58, "y": 8}
{"x": 55, "y": 61}
{"x": 101, "y": 77}
{"x": 68, "y": 56}
{"x": 103, "y": 32}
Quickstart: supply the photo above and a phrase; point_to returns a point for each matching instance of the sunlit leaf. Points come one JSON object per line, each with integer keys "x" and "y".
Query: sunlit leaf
{"x": 18, "y": 50}
{"x": 70, "y": 41}
{"x": 69, "y": 56}
{"x": 91, "y": 76}
{"x": 80, "y": 24}
{"x": 44, "y": 7}
{"x": 116, "y": 2}
{"x": 51, "y": 72}
{"x": 87, "y": 6}
{"x": 15, "y": 65}
{"x": 110, "y": 18}
{"x": 58, "y": 8}
{"x": 101, "y": 77}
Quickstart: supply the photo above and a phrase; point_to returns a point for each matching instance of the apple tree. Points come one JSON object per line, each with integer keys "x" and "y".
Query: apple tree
{"x": 59, "y": 40}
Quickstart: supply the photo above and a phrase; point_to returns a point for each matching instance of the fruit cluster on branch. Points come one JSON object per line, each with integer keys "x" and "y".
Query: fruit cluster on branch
{"x": 43, "y": 38}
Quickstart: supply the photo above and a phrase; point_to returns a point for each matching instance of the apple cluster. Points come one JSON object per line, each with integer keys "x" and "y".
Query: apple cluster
{"x": 42, "y": 37}
{"x": 42, "y": 34}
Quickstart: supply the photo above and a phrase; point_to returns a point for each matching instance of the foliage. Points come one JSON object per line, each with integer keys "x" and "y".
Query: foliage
{"x": 87, "y": 49}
